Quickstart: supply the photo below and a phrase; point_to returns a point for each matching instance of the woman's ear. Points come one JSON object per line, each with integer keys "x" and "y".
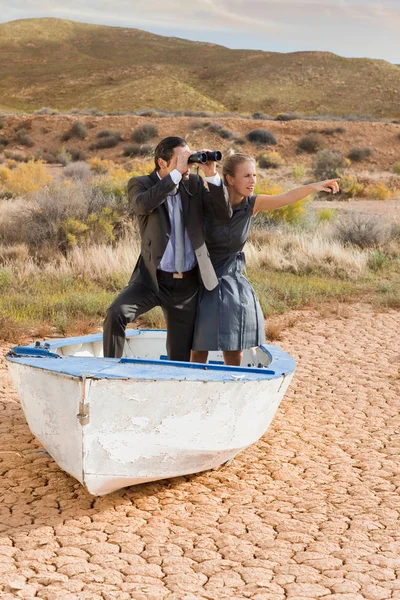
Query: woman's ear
{"x": 229, "y": 179}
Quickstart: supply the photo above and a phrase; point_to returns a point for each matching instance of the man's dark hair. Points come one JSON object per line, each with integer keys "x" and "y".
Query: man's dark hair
{"x": 165, "y": 148}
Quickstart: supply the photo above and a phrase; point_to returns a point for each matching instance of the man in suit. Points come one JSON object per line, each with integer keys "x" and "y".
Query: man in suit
{"x": 170, "y": 205}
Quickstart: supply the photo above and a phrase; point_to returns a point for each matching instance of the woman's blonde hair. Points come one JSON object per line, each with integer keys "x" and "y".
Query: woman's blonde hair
{"x": 232, "y": 160}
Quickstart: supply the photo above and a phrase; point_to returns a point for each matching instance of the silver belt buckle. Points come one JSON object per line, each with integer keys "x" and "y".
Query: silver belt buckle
{"x": 177, "y": 275}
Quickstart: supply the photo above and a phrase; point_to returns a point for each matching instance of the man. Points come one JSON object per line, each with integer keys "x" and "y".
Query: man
{"x": 170, "y": 205}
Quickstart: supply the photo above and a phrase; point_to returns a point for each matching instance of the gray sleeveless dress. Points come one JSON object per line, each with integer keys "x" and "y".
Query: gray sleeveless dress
{"x": 229, "y": 317}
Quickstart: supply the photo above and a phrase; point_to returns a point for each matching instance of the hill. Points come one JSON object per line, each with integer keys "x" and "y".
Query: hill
{"x": 64, "y": 65}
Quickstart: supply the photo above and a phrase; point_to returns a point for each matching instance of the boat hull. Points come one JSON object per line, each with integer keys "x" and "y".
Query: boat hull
{"x": 116, "y": 431}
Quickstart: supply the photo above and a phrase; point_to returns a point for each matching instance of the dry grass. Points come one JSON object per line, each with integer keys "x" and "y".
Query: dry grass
{"x": 305, "y": 252}
{"x": 274, "y": 331}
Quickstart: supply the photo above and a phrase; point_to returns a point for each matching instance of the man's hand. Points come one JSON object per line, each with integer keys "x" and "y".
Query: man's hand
{"x": 210, "y": 167}
{"x": 180, "y": 160}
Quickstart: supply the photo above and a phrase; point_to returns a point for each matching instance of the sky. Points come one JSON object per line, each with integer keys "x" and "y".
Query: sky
{"x": 355, "y": 28}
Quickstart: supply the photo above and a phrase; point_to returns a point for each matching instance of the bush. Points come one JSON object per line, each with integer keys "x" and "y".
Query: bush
{"x": 78, "y": 130}
{"x": 77, "y": 155}
{"x": 46, "y": 111}
{"x": 24, "y": 179}
{"x": 270, "y": 160}
{"x": 64, "y": 157}
{"x": 361, "y": 230}
{"x": 145, "y": 133}
{"x": 310, "y": 143}
{"x": 287, "y": 117}
{"x": 377, "y": 260}
{"x": 396, "y": 168}
{"x": 109, "y": 141}
{"x": 326, "y": 215}
{"x": 377, "y": 191}
{"x": 261, "y": 137}
{"x": 260, "y": 116}
{"x": 78, "y": 170}
{"x": 328, "y": 164}
{"x": 359, "y": 154}
{"x": 17, "y": 156}
{"x": 2, "y": 122}
{"x": 332, "y": 130}
{"x": 219, "y": 130}
{"x": 298, "y": 172}
{"x": 137, "y": 150}
{"x": 350, "y": 187}
{"x": 109, "y": 133}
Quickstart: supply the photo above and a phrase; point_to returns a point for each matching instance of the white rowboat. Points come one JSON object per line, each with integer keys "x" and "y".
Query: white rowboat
{"x": 112, "y": 423}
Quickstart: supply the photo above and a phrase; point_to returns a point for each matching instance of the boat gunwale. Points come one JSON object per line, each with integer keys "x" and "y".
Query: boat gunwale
{"x": 280, "y": 365}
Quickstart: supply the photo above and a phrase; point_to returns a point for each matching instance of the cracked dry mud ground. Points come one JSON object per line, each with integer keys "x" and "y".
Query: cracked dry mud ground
{"x": 310, "y": 511}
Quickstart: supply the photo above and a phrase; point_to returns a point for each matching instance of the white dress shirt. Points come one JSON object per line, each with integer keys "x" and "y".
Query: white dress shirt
{"x": 167, "y": 262}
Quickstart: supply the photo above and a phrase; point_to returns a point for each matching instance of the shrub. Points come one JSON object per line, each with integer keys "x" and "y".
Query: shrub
{"x": 359, "y": 154}
{"x": 396, "y": 168}
{"x": 145, "y": 133}
{"x": 109, "y": 141}
{"x": 350, "y": 187}
{"x": 137, "y": 150}
{"x": 100, "y": 166}
{"x": 377, "y": 260}
{"x": 310, "y": 143}
{"x": 328, "y": 164}
{"x": 261, "y": 137}
{"x": 261, "y": 116}
{"x": 77, "y": 155}
{"x": 64, "y": 157}
{"x": 17, "y": 156}
{"x": 326, "y": 215}
{"x": 77, "y": 170}
{"x": 332, "y": 130}
{"x": 2, "y": 122}
{"x": 377, "y": 191}
{"x": 109, "y": 133}
{"x": 46, "y": 111}
{"x": 287, "y": 117}
{"x": 219, "y": 130}
{"x": 270, "y": 160}
{"x": 78, "y": 130}
{"x": 26, "y": 178}
{"x": 361, "y": 230}
{"x": 298, "y": 172}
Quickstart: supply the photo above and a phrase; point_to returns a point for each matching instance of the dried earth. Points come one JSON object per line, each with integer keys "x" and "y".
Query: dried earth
{"x": 310, "y": 511}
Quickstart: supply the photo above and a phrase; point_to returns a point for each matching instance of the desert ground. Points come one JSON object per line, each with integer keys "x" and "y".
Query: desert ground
{"x": 310, "y": 511}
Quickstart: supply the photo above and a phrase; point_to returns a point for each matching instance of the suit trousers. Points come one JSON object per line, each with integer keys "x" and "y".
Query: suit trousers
{"x": 178, "y": 300}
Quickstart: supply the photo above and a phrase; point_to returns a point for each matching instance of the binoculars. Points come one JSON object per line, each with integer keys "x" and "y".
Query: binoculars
{"x": 203, "y": 157}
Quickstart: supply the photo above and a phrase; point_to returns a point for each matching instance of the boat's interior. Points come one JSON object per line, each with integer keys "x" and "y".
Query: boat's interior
{"x": 149, "y": 345}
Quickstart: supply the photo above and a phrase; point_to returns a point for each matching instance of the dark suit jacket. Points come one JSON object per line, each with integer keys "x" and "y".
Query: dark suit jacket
{"x": 148, "y": 196}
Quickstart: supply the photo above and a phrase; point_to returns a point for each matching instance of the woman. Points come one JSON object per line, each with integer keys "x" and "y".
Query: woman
{"x": 229, "y": 317}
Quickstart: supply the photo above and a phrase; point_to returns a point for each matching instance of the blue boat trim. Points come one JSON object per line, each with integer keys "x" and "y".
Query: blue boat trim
{"x": 34, "y": 355}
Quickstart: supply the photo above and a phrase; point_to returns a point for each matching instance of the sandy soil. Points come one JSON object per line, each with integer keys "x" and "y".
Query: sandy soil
{"x": 310, "y": 511}
{"x": 389, "y": 209}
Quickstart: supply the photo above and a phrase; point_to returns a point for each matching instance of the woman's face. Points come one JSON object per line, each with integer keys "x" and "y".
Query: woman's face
{"x": 244, "y": 180}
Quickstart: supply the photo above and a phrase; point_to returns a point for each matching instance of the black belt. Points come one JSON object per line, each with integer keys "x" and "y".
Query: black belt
{"x": 178, "y": 275}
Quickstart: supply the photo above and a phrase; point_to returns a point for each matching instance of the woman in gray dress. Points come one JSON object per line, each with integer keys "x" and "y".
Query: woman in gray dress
{"x": 229, "y": 318}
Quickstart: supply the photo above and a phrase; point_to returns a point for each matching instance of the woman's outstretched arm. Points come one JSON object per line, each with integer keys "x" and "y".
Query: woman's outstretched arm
{"x": 264, "y": 202}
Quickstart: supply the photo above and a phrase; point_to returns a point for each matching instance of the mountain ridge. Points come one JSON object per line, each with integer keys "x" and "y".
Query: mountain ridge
{"x": 66, "y": 64}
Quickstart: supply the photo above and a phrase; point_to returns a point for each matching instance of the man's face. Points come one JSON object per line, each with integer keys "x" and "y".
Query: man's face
{"x": 179, "y": 151}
